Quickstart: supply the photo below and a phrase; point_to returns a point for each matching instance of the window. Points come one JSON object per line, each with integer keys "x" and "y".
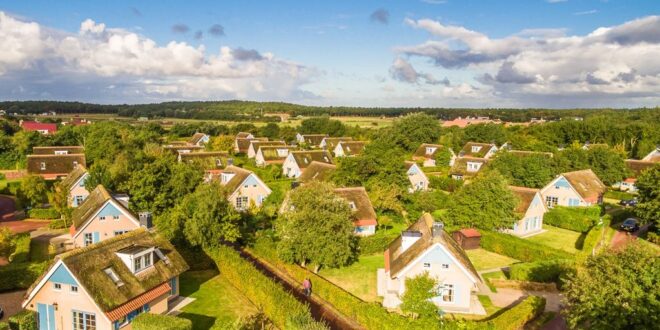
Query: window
{"x": 84, "y": 321}
{"x": 57, "y": 286}
{"x": 352, "y": 205}
{"x": 472, "y": 166}
{"x": 42, "y": 166}
{"x": 61, "y": 152}
{"x": 445, "y": 266}
{"x": 218, "y": 162}
{"x": 241, "y": 202}
{"x": 113, "y": 276}
{"x": 75, "y": 163}
{"x": 447, "y": 293}
{"x": 78, "y": 200}
{"x": 476, "y": 149}
{"x": 551, "y": 201}
{"x": 147, "y": 260}
{"x": 102, "y": 218}
{"x": 74, "y": 289}
{"x": 88, "y": 239}
{"x": 137, "y": 264}
{"x": 116, "y": 217}
{"x": 120, "y": 232}
{"x": 430, "y": 150}
{"x": 427, "y": 265}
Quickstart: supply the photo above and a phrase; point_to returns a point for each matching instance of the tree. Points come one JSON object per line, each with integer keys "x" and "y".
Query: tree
{"x": 414, "y": 129}
{"x": 317, "y": 228}
{"x": 607, "y": 163}
{"x": 271, "y": 131}
{"x": 486, "y": 203}
{"x": 59, "y": 200}
{"x": 617, "y": 289}
{"x": 648, "y": 188}
{"x": 33, "y": 187}
{"x": 222, "y": 143}
{"x": 486, "y": 133}
{"x": 322, "y": 125}
{"x": 6, "y": 242}
{"x": 443, "y": 157}
{"x": 416, "y": 299}
{"x": 533, "y": 170}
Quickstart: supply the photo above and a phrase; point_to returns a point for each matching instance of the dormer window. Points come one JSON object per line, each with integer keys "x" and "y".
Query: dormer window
{"x": 430, "y": 150}
{"x": 352, "y": 206}
{"x": 473, "y": 166}
{"x": 218, "y": 162}
{"x": 137, "y": 258}
{"x": 326, "y": 159}
{"x": 42, "y": 166}
{"x": 282, "y": 152}
{"x": 225, "y": 177}
{"x": 476, "y": 149}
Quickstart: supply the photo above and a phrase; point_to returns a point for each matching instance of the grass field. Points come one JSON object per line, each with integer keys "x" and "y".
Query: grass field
{"x": 482, "y": 259}
{"x": 217, "y": 303}
{"x": 358, "y": 278}
{"x": 559, "y": 238}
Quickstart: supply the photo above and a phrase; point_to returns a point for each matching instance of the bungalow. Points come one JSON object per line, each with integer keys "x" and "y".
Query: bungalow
{"x": 478, "y": 150}
{"x": 244, "y": 186}
{"x": 467, "y": 167}
{"x": 102, "y": 216}
{"x": 107, "y": 285}
{"x": 578, "y": 188}
{"x": 268, "y": 155}
{"x": 318, "y": 171}
{"x": 418, "y": 180}
{"x": 311, "y": 140}
{"x": 425, "y": 247}
{"x": 363, "y": 214}
{"x": 329, "y": 143}
{"x": 199, "y": 139}
{"x": 241, "y": 145}
{"x": 74, "y": 183}
{"x": 208, "y": 159}
{"x": 349, "y": 148}
{"x": 61, "y": 150}
{"x": 297, "y": 161}
{"x": 653, "y": 156}
{"x": 54, "y": 166}
{"x": 43, "y": 128}
{"x": 531, "y": 208}
{"x": 427, "y": 152}
{"x": 636, "y": 167}
{"x": 256, "y": 144}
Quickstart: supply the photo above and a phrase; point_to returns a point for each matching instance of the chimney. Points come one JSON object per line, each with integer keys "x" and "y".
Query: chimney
{"x": 437, "y": 228}
{"x": 408, "y": 238}
{"x": 145, "y": 219}
{"x": 230, "y": 161}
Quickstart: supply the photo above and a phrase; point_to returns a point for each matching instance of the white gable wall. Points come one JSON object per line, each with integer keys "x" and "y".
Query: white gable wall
{"x": 560, "y": 192}
{"x": 290, "y": 168}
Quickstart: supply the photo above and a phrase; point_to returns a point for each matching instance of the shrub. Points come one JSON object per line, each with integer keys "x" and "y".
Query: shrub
{"x": 21, "y": 248}
{"x": 516, "y": 317}
{"x": 49, "y": 213}
{"x": 593, "y": 238}
{"x": 149, "y": 321}
{"x": 24, "y": 320}
{"x": 17, "y": 276}
{"x": 653, "y": 238}
{"x": 57, "y": 224}
{"x": 579, "y": 219}
{"x": 545, "y": 271}
{"x": 445, "y": 183}
{"x": 519, "y": 248}
{"x": 376, "y": 243}
{"x": 4, "y": 325}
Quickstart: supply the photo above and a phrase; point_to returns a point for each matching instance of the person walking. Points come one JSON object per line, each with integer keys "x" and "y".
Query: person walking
{"x": 307, "y": 287}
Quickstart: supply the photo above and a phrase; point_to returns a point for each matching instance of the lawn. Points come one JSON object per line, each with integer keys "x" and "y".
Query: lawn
{"x": 217, "y": 302}
{"x": 358, "y": 278}
{"x": 559, "y": 238}
{"x": 482, "y": 259}
{"x": 493, "y": 275}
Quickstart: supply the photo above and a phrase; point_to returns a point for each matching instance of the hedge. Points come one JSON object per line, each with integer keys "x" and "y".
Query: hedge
{"x": 4, "y": 325}
{"x": 579, "y": 219}
{"x": 376, "y": 243}
{"x": 24, "y": 320}
{"x": 594, "y": 236}
{"x": 57, "y": 224}
{"x": 22, "y": 249}
{"x": 16, "y": 276}
{"x": 149, "y": 321}
{"x": 519, "y": 248}
{"x": 516, "y": 317}
{"x": 50, "y": 213}
{"x": 280, "y": 306}
{"x": 545, "y": 271}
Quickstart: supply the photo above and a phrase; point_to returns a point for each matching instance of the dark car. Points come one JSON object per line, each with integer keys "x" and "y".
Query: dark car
{"x": 2, "y": 313}
{"x": 628, "y": 202}
{"x": 630, "y": 225}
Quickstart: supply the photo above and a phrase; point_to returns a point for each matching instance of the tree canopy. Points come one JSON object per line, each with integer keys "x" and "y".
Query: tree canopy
{"x": 416, "y": 299}
{"x": 414, "y": 129}
{"x": 533, "y": 170}
{"x": 648, "y": 188}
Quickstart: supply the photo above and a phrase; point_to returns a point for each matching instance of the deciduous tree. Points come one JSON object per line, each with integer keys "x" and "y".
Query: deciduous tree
{"x": 33, "y": 187}
{"x": 414, "y": 129}
{"x": 648, "y": 187}
{"x": 6, "y": 242}
{"x": 416, "y": 299}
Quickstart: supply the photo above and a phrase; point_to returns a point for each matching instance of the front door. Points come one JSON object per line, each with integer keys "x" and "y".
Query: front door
{"x": 46, "y": 316}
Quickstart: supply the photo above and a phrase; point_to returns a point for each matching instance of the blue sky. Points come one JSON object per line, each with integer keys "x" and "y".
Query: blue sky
{"x": 366, "y": 53}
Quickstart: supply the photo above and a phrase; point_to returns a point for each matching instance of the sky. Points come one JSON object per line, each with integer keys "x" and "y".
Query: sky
{"x": 413, "y": 53}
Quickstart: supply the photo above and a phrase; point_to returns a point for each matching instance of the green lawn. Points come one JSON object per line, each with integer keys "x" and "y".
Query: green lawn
{"x": 493, "y": 275}
{"x": 482, "y": 259}
{"x": 358, "y": 278}
{"x": 217, "y": 301}
{"x": 559, "y": 238}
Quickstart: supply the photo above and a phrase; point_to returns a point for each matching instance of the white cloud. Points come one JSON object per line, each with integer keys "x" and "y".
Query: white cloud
{"x": 586, "y": 12}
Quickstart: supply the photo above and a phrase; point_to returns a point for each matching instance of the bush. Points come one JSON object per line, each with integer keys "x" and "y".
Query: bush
{"x": 653, "y": 238}
{"x": 57, "y": 224}
{"x": 545, "y": 271}
{"x": 4, "y": 325}
{"x": 519, "y": 248}
{"x": 24, "y": 320}
{"x": 516, "y": 317}
{"x": 445, "y": 183}
{"x": 49, "y": 213}
{"x": 149, "y": 321}
{"x": 376, "y": 243}
{"x": 21, "y": 248}
{"x": 579, "y": 219}
{"x": 593, "y": 238}
{"x": 17, "y": 276}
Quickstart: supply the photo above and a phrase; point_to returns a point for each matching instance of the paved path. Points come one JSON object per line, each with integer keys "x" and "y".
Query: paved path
{"x": 11, "y": 303}
{"x": 507, "y": 296}
{"x": 23, "y": 226}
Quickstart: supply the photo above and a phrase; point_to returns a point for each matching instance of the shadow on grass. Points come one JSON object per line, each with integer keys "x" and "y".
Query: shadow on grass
{"x": 579, "y": 243}
{"x": 191, "y": 281}
{"x": 200, "y": 322}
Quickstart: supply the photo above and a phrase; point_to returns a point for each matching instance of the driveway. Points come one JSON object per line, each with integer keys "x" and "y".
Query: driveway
{"x": 622, "y": 238}
{"x": 11, "y": 303}
{"x": 24, "y": 226}
{"x": 507, "y": 296}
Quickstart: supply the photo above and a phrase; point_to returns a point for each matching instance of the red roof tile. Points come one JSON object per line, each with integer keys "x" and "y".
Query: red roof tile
{"x": 138, "y": 301}
{"x": 35, "y": 126}
{"x": 470, "y": 232}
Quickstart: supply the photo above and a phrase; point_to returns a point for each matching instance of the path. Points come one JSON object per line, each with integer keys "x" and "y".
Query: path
{"x": 23, "y": 226}
{"x": 7, "y": 208}
{"x": 621, "y": 238}
{"x": 321, "y": 310}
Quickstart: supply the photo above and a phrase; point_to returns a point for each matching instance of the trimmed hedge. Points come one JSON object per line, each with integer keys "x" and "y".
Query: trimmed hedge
{"x": 545, "y": 271}
{"x": 24, "y": 320}
{"x": 579, "y": 219}
{"x": 594, "y": 236}
{"x": 516, "y": 317}
{"x": 376, "y": 243}
{"x": 519, "y": 248}
{"x": 279, "y": 305}
{"x": 50, "y": 213}
{"x": 16, "y": 276}
{"x": 149, "y": 321}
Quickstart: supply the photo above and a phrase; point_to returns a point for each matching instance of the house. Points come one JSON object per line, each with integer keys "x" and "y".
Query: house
{"x": 426, "y": 153}
{"x": 244, "y": 135}
{"x": 349, "y": 148}
{"x": 653, "y": 156}
{"x": 245, "y": 187}
{"x": 61, "y": 150}
{"x": 207, "y": 159}
{"x": 182, "y": 149}
{"x": 425, "y": 247}
{"x": 418, "y": 180}
{"x": 329, "y": 143}
{"x": 363, "y": 214}
{"x": 318, "y": 171}
{"x": 297, "y": 161}
{"x": 199, "y": 139}
{"x": 467, "y": 167}
{"x": 268, "y": 155}
{"x": 105, "y": 286}
{"x": 102, "y": 216}
{"x": 241, "y": 145}
{"x": 531, "y": 209}
{"x": 54, "y": 166}
{"x": 256, "y": 144}
{"x": 74, "y": 183}
{"x": 636, "y": 167}
{"x": 478, "y": 150}
{"x": 578, "y": 188}
{"x": 43, "y": 128}
{"x": 311, "y": 140}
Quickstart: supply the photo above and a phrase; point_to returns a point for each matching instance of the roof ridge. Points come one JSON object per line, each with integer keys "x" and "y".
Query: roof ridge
{"x": 51, "y": 155}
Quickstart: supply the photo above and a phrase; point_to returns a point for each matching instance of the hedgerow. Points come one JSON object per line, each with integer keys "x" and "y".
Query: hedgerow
{"x": 49, "y": 213}
{"x": 519, "y": 248}
{"x": 16, "y": 276}
{"x": 593, "y": 237}
{"x": 579, "y": 219}
{"x": 376, "y": 243}
{"x": 149, "y": 321}
{"x": 21, "y": 248}
{"x": 516, "y": 317}
{"x": 545, "y": 271}
{"x": 24, "y": 320}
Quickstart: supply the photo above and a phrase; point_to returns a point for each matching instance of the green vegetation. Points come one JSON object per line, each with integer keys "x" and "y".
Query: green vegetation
{"x": 21, "y": 271}
{"x": 579, "y": 219}
{"x": 648, "y": 186}
{"x": 498, "y": 275}
{"x": 416, "y": 300}
{"x": 527, "y": 170}
{"x": 487, "y": 305}
{"x": 149, "y": 321}
{"x": 558, "y": 238}
{"x": 544, "y": 271}
{"x": 517, "y": 316}
{"x": 483, "y": 259}
{"x": 24, "y": 320}
{"x": 620, "y": 195}
{"x": 33, "y": 189}
{"x": 49, "y": 213}
{"x": 7, "y": 243}
{"x": 378, "y": 242}
{"x": 359, "y": 278}
{"x": 518, "y": 248}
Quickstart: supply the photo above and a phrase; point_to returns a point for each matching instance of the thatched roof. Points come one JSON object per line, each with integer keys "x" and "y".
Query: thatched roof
{"x": 420, "y": 153}
{"x": 196, "y": 138}
{"x": 525, "y": 197}
{"x": 208, "y": 159}
{"x": 331, "y": 142}
{"x": 243, "y": 143}
{"x": 271, "y": 155}
{"x": 364, "y": 213}
{"x": 317, "y": 171}
{"x": 653, "y": 156}
{"x": 314, "y": 139}
{"x": 639, "y": 166}
{"x": 351, "y": 148}
{"x": 243, "y": 135}
{"x": 240, "y": 175}
{"x": 91, "y": 205}
{"x": 55, "y": 164}
{"x": 305, "y": 158}
{"x": 524, "y": 153}
{"x": 256, "y": 144}
{"x": 74, "y": 176}
{"x": 51, "y": 150}
{"x": 467, "y": 149}
{"x": 399, "y": 259}
{"x": 177, "y": 148}
{"x": 587, "y": 184}
{"x": 460, "y": 165}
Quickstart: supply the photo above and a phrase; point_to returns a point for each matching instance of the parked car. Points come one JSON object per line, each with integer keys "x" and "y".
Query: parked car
{"x": 628, "y": 202}
{"x": 2, "y": 313}
{"x": 630, "y": 224}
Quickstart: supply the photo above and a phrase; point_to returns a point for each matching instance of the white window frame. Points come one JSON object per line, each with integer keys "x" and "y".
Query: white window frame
{"x": 476, "y": 149}
{"x": 551, "y": 201}
{"x": 57, "y": 286}
{"x": 448, "y": 290}
{"x": 85, "y": 240}
{"x": 74, "y": 289}
{"x": 42, "y": 166}
{"x": 444, "y": 267}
